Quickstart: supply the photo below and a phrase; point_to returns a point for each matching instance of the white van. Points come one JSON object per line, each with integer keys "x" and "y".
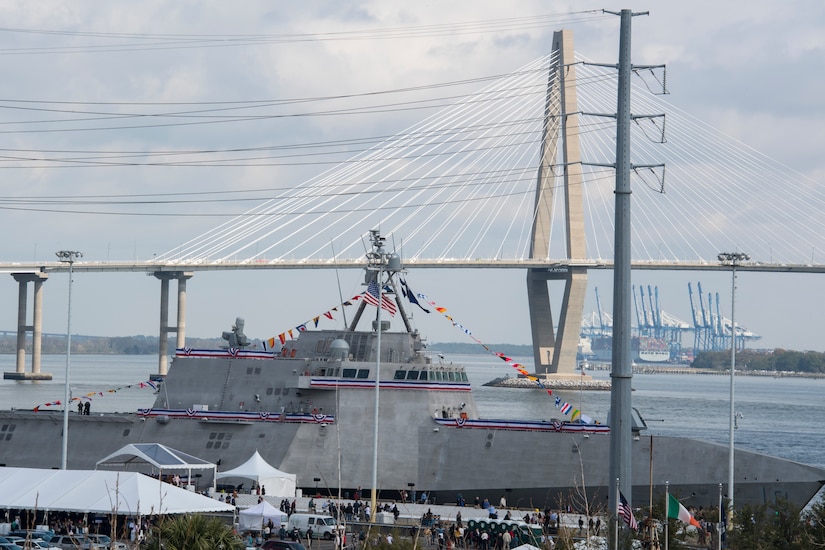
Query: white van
{"x": 322, "y": 526}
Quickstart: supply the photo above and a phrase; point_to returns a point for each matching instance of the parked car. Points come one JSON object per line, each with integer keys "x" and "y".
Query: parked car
{"x": 276, "y": 544}
{"x": 74, "y": 542}
{"x": 9, "y": 546}
{"x": 322, "y": 526}
{"x": 32, "y": 533}
{"x": 32, "y": 543}
{"x": 105, "y": 541}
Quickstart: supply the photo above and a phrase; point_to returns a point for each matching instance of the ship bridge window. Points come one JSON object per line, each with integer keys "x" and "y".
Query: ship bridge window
{"x": 438, "y": 375}
{"x": 423, "y": 375}
{"x": 463, "y": 376}
{"x": 363, "y": 373}
{"x": 349, "y": 373}
{"x": 412, "y": 375}
{"x": 400, "y": 374}
{"x": 450, "y": 375}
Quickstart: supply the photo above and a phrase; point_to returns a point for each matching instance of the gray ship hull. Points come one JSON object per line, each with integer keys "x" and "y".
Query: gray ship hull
{"x": 313, "y": 416}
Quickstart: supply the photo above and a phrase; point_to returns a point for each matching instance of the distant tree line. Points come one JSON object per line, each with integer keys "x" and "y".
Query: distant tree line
{"x": 114, "y": 345}
{"x": 468, "y": 348}
{"x": 148, "y": 345}
{"x": 775, "y": 361}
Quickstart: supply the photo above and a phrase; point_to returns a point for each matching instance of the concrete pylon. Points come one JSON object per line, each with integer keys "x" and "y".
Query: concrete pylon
{"x": 36, "y": 328}
{"x": 554, "y": 352}
{"x": 180, "y": 327}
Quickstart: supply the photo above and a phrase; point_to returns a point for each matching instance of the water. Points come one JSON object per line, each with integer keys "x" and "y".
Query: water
{"x": 118, "y": 377}
{"x": 781, "y": 416}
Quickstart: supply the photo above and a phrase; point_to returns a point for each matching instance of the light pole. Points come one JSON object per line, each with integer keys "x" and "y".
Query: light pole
{"x": 733, "y": 259}
{"x": 69, "y": 257}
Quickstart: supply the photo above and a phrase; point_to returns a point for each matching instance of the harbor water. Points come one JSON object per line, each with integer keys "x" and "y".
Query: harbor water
{"x": 782, "y": 417}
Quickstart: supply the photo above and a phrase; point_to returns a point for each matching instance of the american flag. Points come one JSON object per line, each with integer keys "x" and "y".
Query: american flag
{"x": 371, "y": 297}
{"x": 627, "y": 513}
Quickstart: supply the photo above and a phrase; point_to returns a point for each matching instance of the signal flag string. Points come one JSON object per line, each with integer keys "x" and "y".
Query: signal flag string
{"x": 91, "y": 395}
{"x": 516, "y": 365}
{"x": 565, "y": 407}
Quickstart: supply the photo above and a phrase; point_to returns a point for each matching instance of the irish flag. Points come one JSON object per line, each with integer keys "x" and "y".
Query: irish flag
{"x": 675, "y": 510}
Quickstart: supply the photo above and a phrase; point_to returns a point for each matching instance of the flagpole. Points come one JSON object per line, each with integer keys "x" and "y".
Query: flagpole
{"x": 667, "y": 510}
{"x": 374, "y": 494}
{"x": 650, "y": 479}
{"x": 719, "y": 523}
{"x": 616, "y": 525}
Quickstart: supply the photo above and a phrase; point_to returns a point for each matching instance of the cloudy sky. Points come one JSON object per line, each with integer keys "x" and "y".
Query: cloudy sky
{"x": 86, "y": 79}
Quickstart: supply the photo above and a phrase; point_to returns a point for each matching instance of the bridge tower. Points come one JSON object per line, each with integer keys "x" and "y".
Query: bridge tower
{"x": 555, "y": 351}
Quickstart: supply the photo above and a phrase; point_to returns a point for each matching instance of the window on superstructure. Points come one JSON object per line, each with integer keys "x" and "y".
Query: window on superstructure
{"x": 349, "y": 373}
{"x": 400, "y": 374}
{"x": 322, "y": 346}
{"x": 423, "y": 375}
{"x": 451, "y": 375}
{"x": 363, "y": 373}
{"x": 463, "y": 376}
{"x": 412, "y": 375}
{"x": 439, "y": 375}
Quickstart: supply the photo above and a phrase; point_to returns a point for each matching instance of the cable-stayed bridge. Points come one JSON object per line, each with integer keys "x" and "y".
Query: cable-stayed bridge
{"x": 462, "y": 189}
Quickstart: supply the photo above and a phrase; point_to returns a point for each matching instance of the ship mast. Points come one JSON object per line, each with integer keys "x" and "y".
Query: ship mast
{"x": 382, "y": 268}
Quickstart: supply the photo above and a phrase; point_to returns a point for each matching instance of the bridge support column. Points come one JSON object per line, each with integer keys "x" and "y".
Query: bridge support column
{"x": 555, "y": 352}
{"x": 180, "y": 327}
{"x": 36, "y": 328}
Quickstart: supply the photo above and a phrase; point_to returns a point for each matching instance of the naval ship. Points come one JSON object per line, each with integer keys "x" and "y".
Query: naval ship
{"x": 309, "y": 408}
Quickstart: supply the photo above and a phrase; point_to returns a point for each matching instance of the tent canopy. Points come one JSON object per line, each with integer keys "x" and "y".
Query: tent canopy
{"x": 159, "y": 456}
{"x": 98, "y": 491}
{"x": 255, "y": 517}
{"x": 275, "y": 481}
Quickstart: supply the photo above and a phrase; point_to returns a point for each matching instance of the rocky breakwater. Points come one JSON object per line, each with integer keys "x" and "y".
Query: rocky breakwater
{"x": 570, "y": 382}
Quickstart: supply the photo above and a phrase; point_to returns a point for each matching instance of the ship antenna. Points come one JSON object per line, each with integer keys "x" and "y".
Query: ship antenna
{"x": 338, "y": 278}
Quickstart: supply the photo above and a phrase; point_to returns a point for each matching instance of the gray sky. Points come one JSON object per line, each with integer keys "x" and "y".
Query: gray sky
{"x": 748, "y": 68}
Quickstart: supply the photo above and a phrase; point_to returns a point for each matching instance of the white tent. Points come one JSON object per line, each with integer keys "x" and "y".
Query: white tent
{"x": 255, "y": 517}
{"x": 276, "y": 482}
{"x": 99, "y": 491}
